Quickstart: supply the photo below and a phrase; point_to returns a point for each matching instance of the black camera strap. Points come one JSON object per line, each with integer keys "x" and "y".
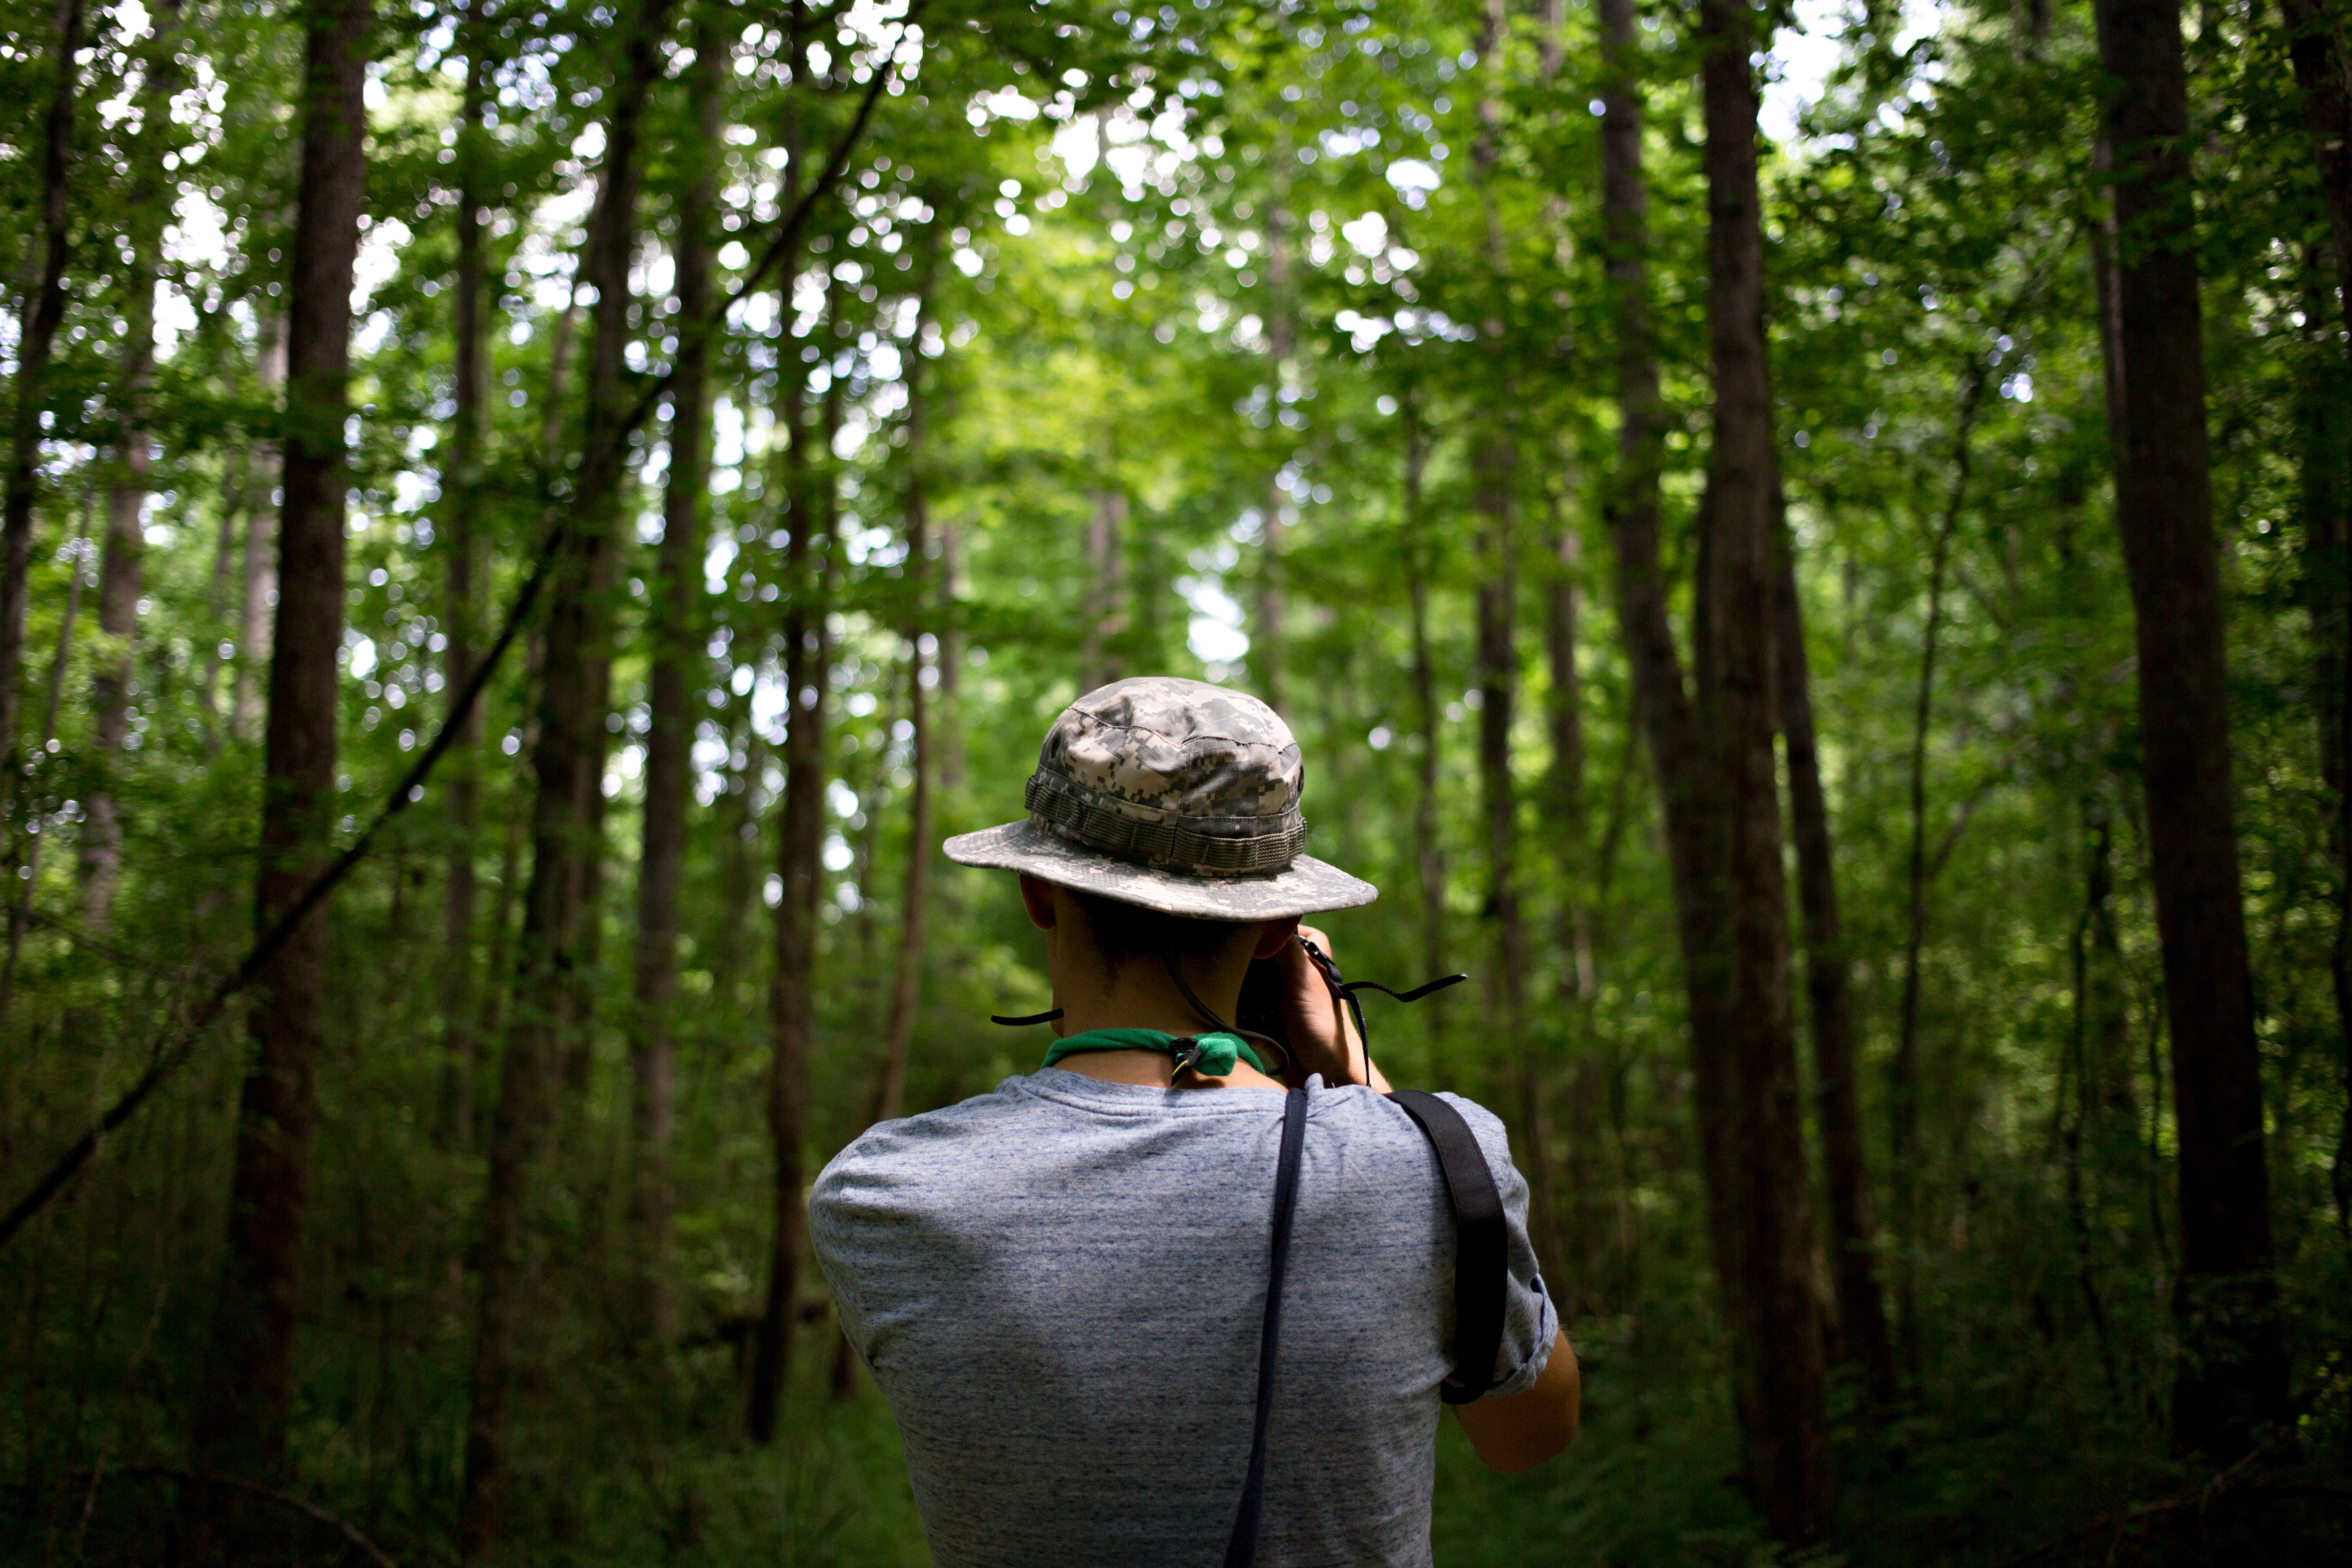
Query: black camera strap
{"x": 1481, "y": 1242}
{"x": 1241, "y": 1550}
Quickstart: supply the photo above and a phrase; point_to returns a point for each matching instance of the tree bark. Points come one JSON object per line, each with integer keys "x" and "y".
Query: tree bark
{"x": 1105, "y": 609}
{"x": 1662, "y": 703}
{"x": 897, "y": 1035}
{"x": 1853, "y": 1233}
{"x": 260, "y": 566}
{"x": 678, "y": 655}
{"x": 2317, "y": 49}
{"x": 45, "y": 308}
{"x": 1265, "y": 655}
{"x": 1429, "y": 849}
{"x": 2232, "y": 1368}
{"x": 739, "y": 835}
{"x": 791, "y": 1002}
{"x": 240, "y": 1423}
{"x": 950, "y": 703}
{"x": 1788, "y": 1442}
{"x": 1495, "y": 465}
{"x": 121, "y": 570}
{"x": 1563, "y": 616}
{"x": 27, "y": 865}
{"x": 567, "y": 761}
{"x": 461, "y": 589}
{"x": 1904, "y": 1075}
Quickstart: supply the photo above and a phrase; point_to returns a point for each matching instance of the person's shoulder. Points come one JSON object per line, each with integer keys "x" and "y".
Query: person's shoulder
{"x": 909, "y": 1144}
{"x": 1493, "y": 1135}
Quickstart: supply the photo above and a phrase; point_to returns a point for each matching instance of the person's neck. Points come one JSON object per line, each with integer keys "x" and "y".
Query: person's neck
{"x": 1138, "y": 995}
{"x": 1135, "y": 997}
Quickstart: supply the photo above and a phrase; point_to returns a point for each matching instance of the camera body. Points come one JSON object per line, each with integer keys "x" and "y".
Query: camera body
{"x": 1260, "y": 1010}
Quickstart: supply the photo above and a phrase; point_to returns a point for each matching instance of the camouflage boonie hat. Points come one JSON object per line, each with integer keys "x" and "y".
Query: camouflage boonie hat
{"x": 1174, "y": 795}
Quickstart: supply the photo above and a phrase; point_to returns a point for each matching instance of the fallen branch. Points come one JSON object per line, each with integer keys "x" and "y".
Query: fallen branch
{"x": 341, "y": 1526}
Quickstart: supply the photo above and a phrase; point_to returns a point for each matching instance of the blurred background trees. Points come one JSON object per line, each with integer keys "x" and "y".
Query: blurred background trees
{"x": 1805, "y": 548}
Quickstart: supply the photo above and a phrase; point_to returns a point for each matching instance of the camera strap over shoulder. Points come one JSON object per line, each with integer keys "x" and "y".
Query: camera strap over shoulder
{"x": 1240, "y": 1550}
{"x": 1481, "y": 1240}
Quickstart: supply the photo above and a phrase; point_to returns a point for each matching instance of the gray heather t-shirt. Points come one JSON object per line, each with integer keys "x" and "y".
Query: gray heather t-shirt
{"x": 1059, "y": 1287}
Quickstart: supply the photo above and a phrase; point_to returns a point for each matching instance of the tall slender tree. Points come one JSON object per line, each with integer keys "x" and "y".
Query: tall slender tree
{"x": 1781, "y": 1371}
{"x": 258, "y": 571}
{"x": 1494, "y": 469}
{"x": 462, "y": 546}
{"x": 121, "y": 570}
{"x": 45, "y": 308}
{"x": 1661, "y": 702}
{"x": 1837, "y": 1101}
{"x": 241, "y": 1409}
{"x": 792, "y": 997}
{"x": 906, "y": 972}
{"x": 2231, "y": 1371}
{"x": 677, "y": 638}
{"x": 808, "y": 665}
{"x": 567, "y": 762}
{"x": 2323, "y": 74}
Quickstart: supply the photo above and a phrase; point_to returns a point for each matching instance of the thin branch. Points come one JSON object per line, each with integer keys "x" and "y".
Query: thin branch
{"x": 169, "y": 1057}
{"x": 787, "y": 236}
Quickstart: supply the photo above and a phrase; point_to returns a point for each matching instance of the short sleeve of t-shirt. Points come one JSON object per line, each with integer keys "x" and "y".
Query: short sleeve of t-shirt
{"x": 1530, "y": 1322}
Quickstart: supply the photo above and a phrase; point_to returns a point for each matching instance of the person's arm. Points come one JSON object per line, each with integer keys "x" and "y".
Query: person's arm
{"x": 1518, "y": 1432}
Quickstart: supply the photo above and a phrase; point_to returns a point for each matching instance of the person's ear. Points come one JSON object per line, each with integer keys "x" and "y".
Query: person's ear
{"x": 1274, "y": 936}
{"x": 1037, "y": 898}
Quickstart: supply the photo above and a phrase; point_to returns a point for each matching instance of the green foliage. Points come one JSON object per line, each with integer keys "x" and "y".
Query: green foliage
{"x": 1092, "y": 232}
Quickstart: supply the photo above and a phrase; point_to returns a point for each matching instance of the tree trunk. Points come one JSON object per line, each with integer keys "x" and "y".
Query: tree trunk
{"x": 1106, "y": 608}
{"x": 1787, "y": 1436}
{"x": 45, "y": 308}
{"x": 567, "y": 761}
{"x": 2232, "y": 1373}
{"x": 1904, "y": 1075}
{"x": 678, "y": 655}
{"x": 738, "y": 836}
{"x": 1495, "y": 462}
{"x": 897, "y": 1035}
{"x": 236, "y": 475}
{"x": 260, "y": 575}
{"x": 240, "y": 1424}
{"x": 1853, "y": 1234}
{"x": 462, "y": 485}
{"x": 1429, "y": 849}
{"x": 2318, "y": 53}
{"x": 2316, "y": 48}
{"x": 792, "y": 1001}
{"x": 950, "y": 704}
{"x": 121, "y": 574}
{"x": 1265, "y": 655}
{"x": 28, "y": 866}
{"x": 1563, "y": 614}
{"x": 1662, "y": 704}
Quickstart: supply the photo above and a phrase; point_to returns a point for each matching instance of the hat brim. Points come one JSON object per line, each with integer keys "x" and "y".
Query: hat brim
{"x": 1306, "y": 887}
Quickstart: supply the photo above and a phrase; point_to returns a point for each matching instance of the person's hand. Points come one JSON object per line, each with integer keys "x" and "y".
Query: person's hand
{"x": 1323, "y": 1038}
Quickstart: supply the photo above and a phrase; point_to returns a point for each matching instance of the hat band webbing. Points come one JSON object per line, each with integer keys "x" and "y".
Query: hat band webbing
{"x": 1059, "y": 804}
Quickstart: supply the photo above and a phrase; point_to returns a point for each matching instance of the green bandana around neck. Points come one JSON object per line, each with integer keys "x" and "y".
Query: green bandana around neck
{"x": 1219, "y": 1050}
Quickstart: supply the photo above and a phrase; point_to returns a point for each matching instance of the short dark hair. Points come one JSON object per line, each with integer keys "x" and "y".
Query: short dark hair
{"x": 1123, "y": 932}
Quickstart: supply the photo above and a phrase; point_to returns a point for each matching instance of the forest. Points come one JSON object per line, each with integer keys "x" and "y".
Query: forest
{"x": 1804, "y": 546}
